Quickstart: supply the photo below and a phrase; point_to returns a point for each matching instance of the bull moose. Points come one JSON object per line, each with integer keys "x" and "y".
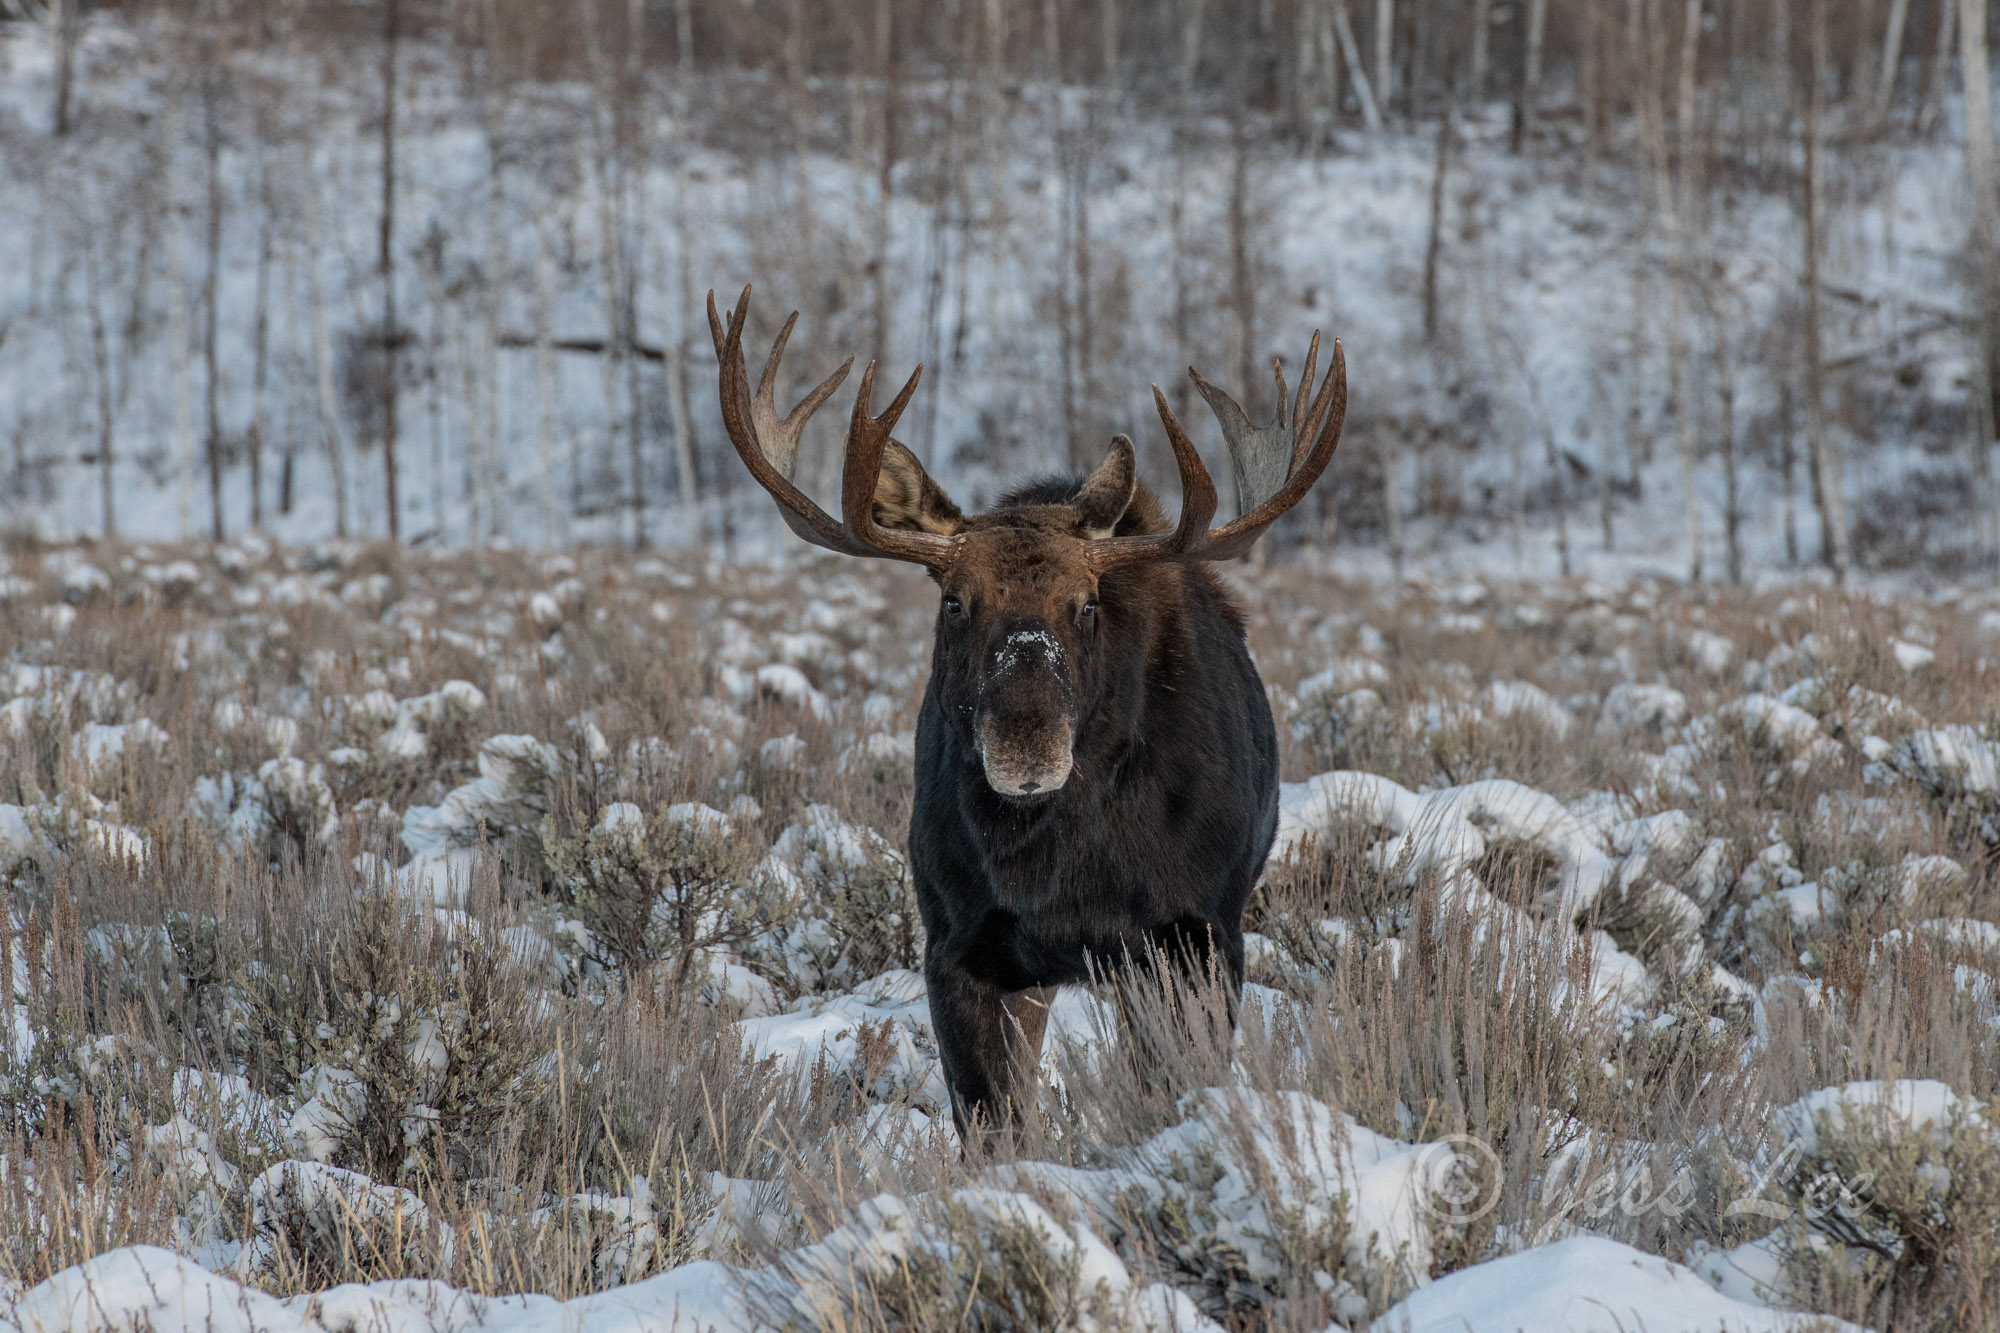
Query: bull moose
{"x": 1096, "y": 765}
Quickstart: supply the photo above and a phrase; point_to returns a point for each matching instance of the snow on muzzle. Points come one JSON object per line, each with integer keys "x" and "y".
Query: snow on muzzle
{"x": 1023, "y": 724}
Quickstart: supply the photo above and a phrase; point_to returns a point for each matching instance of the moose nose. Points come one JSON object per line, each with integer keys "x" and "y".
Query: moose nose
{"x": 1023, "y": 725}
{"x": 1023, "y": 645}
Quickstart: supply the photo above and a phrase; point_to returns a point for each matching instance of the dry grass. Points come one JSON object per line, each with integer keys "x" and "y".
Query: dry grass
{"x": 573, "y": 1068}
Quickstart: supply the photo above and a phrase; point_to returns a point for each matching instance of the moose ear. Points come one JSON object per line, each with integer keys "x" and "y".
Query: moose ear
{"x": 907, "y": 498}
{"x": 1105, "y": 497}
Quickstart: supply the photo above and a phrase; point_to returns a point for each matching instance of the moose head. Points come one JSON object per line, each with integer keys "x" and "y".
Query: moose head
{"x": 1038, "y": 595}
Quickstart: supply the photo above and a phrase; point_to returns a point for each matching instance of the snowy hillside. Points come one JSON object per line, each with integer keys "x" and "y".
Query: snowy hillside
{"x": 1046, "y": 269}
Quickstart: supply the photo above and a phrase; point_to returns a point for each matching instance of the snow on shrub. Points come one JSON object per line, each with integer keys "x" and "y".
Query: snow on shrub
{"x": 656, "y": 890}
{"x": 849, "y": 910}
{"x": 1894, "y": 1194}
{"x": 311, "y": 1221}
{"x": 285, "y": 809}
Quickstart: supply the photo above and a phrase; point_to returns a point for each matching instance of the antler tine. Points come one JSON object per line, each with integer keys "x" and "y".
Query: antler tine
{"x": 767, "y": 445}
{"x": 862, "y": 469}
{"x": 1192, "y": 539}
{"x": 1300, "y": 432}
{"x": 1322, "y": 427}
{"x": 1190, "y": 536}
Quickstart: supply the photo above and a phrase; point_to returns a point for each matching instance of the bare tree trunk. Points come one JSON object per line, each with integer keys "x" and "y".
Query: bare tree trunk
{"x": 1832, "y": 506}
{"x": 67, "y": 23}
{"x": 179, "y": 319}
{"x": 392, "y": 39}
{"x": 212, "y": 147}
{"x": 100, "y": 349}
{"x": 605, "y": 159}
{"x": 632, "y": 203}
{"x": 1111, "y": 16}
{"x": 1482, "y": 29}
{"x": 1677, "y": 209}
{"x": 1930, "y": 80}
{"x": 1638, "y": 442}
{"x": 1192, "y": 18}
{"x": 678, "y": 302}
{"x": 1892, "y": 51}
{"x": 260, "y": 363}
{"x": 553, "y": 528}
{"x": 1986, "y": 288}
{"x": 1242, "y": 284}
{"x": 1720, "y": 313}
{"x": 1531, "y": 73}
{"x": 1591, "y": 75}
{"x": 1385, "y": 32}
{"x": 1371, "y": 114}
{"x": 1788, "y": 464}
{"x": 885, "y": 179}
{"x": 1390, "y": 445}
{"x": 488, "y": 477}
{"x": 329, "y": 421}
{"x": 1434, "y": 245}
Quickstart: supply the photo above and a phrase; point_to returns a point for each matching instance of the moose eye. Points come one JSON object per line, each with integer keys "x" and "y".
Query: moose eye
{"x": 1087, "y": 613}
{"x": 952, "y": 606}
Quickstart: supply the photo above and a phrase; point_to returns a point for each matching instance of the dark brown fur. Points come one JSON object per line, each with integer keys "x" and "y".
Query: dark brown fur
{"x": 1151, "y": 845}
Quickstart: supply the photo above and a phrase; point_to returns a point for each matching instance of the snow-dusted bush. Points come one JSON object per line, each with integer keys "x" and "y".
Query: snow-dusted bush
{"x": 312, "y": 1224}
{"x": 397, "y": 1040}
{"x": 657, "y": 888}
{"x": 1896, "y": 1188}
{"x": 851, "y": 909}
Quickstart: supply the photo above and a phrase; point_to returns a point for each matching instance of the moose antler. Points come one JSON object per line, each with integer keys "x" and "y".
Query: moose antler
{"x": 1262, "y": 456}
{"x": 1275, "y": 466}
{"x": 769, "y": 446}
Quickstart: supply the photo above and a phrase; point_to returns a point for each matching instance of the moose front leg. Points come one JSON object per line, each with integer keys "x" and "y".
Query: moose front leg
{"x": 989, "y": 1041}
{"x": 1178, "y": 999}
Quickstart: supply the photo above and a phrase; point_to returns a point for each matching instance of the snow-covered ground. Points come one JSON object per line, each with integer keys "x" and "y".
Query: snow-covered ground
{"x": 476, "y": 940}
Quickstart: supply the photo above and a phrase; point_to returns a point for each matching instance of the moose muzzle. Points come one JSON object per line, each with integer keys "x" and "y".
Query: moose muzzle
{"x": 1023, "y": 723}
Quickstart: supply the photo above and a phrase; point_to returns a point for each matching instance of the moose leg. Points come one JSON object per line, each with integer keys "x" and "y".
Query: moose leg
{"x": 1029, "y": 1010}
{"x": 970, "y": 1017}
{"x": 1166, "y": 1001}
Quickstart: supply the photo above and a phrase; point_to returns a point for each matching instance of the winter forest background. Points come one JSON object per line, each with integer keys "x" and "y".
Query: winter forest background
{"x": 1704, "y": 287}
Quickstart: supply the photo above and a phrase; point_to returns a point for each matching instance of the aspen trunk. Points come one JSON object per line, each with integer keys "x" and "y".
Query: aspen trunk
{"x": 1936, "y": 60}
{"x": 1191, "y": 29}
{"x": 1242, "y": 289}
{"x": 212, "y": 377}
{"x": 1531, "y": 72}
{"x": 1825, "y": 466}
{"x": 553, "y": 533}
{"x": 1986, "y": 290}
{"x": 1892, "y": 50}
{"x": 1681, "y": 205}
{"x": 885, "y": 178}
{"x": 1371, "y": 114}
{"x": 1482, "y": 28}
{"x": 260, "y": 340}
{"x": 392, "y": 38}
{"x": 1591, "y": 75}
{"x": 1434, "y": 245}
{"x": 67, "y": 23}
{"x": 1385, "y": 32}
{"x": 100, "y": 350}
{"x": 324, "y": 400}
{"x": 678, "y": 302}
